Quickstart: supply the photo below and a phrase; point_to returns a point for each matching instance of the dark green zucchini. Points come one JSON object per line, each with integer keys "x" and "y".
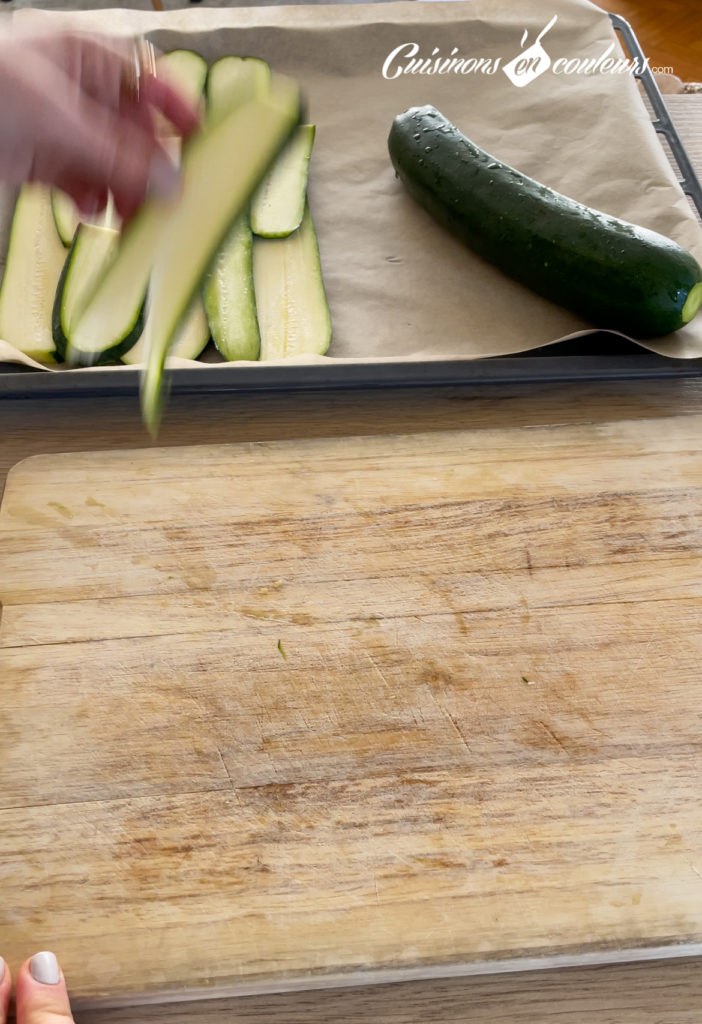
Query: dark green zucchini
{"x": 612, "y": 273}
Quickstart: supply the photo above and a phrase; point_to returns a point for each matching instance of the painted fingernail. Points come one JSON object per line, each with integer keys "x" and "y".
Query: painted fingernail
{"x": 164, "y": 179}
{"x": 44, "y": 968}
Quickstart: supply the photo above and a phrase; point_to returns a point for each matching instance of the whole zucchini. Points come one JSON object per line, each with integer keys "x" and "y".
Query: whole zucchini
{"x": 612, "y": 273}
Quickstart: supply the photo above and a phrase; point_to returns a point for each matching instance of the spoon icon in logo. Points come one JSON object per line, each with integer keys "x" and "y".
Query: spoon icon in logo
{"x": 531, "y": 63}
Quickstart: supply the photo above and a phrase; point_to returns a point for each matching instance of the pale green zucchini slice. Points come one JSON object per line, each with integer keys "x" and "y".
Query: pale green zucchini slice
{"x": 279, "y": 203}
{"x": 229, "y": 293}
{"x": 121, "y": 288}
{"x": 229, "y": 297}
{"x": 67, "y": 216}
{"x": 98, "y": 325}
{"x": 215, "y": 191}
{"x": 190, "y": 340}
{"x": 35, "y": 259}
{"x": 233, "y": 80}
{"x": 92, "y": 249}
{"x": 293, "y": 313}
{"x": 186, "y": 71}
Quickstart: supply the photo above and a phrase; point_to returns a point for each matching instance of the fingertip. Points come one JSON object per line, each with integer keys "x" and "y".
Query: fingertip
{"x": 41, "y": 990}
{"x": 44, "y": 968}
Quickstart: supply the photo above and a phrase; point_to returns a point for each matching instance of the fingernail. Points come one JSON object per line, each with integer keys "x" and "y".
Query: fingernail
{"x": 44, "y": 968}
{"x": 164, "y": 179}
{"x": 2, "y": 968}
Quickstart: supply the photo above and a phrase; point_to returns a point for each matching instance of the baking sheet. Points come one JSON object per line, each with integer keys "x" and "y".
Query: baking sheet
{"x": 400, "y": 288}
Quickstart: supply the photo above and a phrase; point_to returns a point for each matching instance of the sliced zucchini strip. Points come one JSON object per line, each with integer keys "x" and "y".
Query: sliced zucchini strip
{"x": 279, "y": 203}
{"x": 35, "y": 259}
{"x": 120, "y": 290}
{"x": 234, "y": 80}
{"x": 67, "y": 216}
{"x": 229, "y": 296}
{"x": 190, "y": 341}
{"x": 92, "y": 249}
{"x": 216, "y": 190}
{"x": 186, "y": 71}
{"x": 293, "y": 313}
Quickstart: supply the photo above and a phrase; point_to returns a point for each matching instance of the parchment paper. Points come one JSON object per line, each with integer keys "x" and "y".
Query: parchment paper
{"x": 398, "y": 285}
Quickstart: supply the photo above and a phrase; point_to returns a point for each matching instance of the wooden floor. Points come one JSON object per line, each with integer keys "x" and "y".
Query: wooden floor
{"x": 670, "y": 32}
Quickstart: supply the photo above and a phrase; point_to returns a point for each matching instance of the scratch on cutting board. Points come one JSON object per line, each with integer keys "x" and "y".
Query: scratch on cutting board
{"x": 224, "y": 765}
{"x": 377, "y": 668}
{"x": 553, "y": 736}
{"x": 696, "y": 870}
{"x": 452, "y": 720}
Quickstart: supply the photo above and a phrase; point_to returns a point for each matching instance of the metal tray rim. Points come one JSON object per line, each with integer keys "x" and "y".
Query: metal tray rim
{"x": 327, "y": 376}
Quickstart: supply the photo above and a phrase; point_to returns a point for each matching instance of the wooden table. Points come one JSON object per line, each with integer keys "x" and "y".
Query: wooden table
{"x": 666, "y": 992}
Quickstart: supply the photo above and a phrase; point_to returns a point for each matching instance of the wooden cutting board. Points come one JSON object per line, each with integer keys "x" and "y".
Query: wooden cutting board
{"x": 320, "y": 712}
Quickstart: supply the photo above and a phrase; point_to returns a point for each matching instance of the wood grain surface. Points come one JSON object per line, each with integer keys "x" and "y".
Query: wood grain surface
{"x": 291, "y": 713}
{"x": 665, "y": 993}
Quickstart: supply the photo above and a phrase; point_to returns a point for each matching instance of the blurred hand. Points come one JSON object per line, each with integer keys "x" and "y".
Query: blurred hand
{"x": 67, "y": 120}
{"x": 40, "y": 993}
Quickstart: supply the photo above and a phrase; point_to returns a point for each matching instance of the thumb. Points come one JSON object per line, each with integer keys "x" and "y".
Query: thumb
{"x": 41, "y": 994}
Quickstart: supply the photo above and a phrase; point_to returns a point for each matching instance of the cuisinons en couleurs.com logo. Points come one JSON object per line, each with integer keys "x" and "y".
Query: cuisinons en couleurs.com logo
{"x": 529, "y": 63}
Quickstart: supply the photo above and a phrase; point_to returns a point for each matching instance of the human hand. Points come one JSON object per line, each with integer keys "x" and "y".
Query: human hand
{"x": 40, "y": 992}
{"x": 67, "y": 120}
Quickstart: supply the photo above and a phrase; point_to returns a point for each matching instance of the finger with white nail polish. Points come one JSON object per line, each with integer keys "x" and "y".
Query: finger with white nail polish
{"x": 44, "y": 967}
{"x": 41, "y": 991}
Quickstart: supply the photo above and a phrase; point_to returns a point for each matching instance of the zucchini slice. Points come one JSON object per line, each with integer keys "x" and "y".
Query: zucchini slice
{"x": 229, "y": 296}
{"x": 234, "y": 80}
{"x": 279, "y": 203}
{"x": 93, "y": 247}
{"x": 189, "y": 342}
{"x": 228, "y": 292}
{"x": 35, "y": 259}
{"x": 293, "y": 314}
{"x": 216, "y": 190}
{"x": 113, "y": 305}
{"x": 186, "y": 71}
{"x": 67, "y": 216}
{"x": 612, "y": 273}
